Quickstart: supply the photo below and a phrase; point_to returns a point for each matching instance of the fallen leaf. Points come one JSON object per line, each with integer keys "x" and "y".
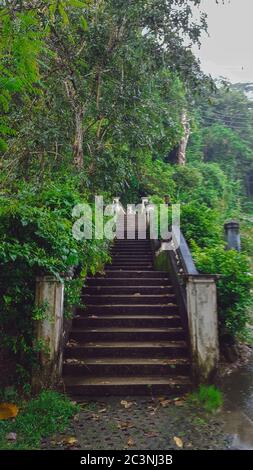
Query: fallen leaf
{"x": 71, "y": 441}
{"x": 8, "y": 410}
{"x": 126, "y": 425}
{"x": 12, "y": 436}
{"x": 130, "y": 442}
{"x": 178, "y": 442}
{"x": 151, "y": 434}
{"x": 126, "y": 404}
{"x": 179, "y": 403}
{"x": 153, "y": 410}
{"x": 95, "y": 417}
{"x": 165, "y": 403}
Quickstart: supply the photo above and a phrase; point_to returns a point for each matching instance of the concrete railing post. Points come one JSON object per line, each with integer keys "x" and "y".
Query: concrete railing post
{"x": 49, "y": 330}
{"x": 232, "y": 234}
{"x": 203, "y": 325}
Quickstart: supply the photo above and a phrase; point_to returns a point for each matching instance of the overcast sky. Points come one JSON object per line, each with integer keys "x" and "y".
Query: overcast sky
{"x": 228, "y": 52}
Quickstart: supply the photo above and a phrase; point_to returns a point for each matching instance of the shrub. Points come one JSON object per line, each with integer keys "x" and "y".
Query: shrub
{"x": 234, "y": 286}
{"x": 207, "y": 397}
{"x": 200, "y": 224}
{"x": 36, "y": 238}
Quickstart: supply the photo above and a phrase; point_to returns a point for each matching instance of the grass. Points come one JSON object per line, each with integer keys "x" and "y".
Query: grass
{"x": 39, "y": 417}
{"x": 207, "y": 397}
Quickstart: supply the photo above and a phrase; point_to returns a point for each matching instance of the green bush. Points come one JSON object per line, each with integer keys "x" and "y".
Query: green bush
{"x": 36, "y": 238}
{"x": 207, "y": 397}
{"x": 200, "y": 224}
{"x": 204, "y": 182}
{"x": 234, "y": 286}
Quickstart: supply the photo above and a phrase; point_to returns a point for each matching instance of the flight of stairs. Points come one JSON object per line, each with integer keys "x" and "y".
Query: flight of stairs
{"x": 129, "y": 339}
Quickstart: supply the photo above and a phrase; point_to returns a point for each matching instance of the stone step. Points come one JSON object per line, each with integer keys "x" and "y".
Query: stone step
{"x": 131, "y": 253}
{"x": 127, "y": 334}
{"x": 125, "y": 281}
{"x": 122, "y": 269}
{"x": 124, "y": 321}
{"x": 132, "y": 247}
{"x": 128, "y": 338}
{"x": 129, "y": 299}
{"x": 132, "y": 241}
{"x": 164, "y": 349}
{"x": 140, "y": 256}
{"x": 127, "y": 267}
{"x": 133, "y": 258}
{"x": 128, "y": 366}
{"x": 126, "y": 290}
{"x": 128, "y": 251}
{"x": 124, "y": 386}
{"x": 135, "y": 309}
{"x": 132, "y": 264}
{"x": 140, "y": 273}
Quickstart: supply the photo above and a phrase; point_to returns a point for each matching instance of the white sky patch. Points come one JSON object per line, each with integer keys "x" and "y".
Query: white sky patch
{"x": 228, "y": 52}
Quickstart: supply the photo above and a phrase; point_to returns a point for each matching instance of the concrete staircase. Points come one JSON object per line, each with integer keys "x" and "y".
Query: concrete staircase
{"x": 129, "y": 340}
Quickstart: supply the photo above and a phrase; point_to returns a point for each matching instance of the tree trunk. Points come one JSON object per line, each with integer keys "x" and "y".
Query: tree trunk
{"x": 78, "y": 143}
{"x": 181, "y": 156}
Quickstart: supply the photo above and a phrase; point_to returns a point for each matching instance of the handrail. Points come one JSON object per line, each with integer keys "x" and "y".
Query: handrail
{"x": 186, "y": 258}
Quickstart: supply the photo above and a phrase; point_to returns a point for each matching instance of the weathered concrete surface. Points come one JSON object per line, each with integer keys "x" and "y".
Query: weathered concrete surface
{"x": 203, "y": 325}
{"x": 49, "y": 330}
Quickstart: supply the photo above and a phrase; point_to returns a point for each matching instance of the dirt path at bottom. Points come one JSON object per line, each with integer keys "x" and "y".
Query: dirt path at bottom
{"x": 141, "y": 423}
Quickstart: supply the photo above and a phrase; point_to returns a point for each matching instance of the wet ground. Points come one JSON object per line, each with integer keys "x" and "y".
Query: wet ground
{"x": 160, "y": 424}
{"x": 142, "y": 423}
{"x": 238, "y": 410}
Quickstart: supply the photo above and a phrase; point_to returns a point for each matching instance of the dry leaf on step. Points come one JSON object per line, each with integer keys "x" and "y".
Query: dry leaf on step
{"x": 178, "y": 442}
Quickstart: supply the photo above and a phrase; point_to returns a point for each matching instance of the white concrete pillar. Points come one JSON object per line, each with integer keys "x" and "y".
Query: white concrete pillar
{"x": 203, "y": 325}
{"x": 49, "y": 330}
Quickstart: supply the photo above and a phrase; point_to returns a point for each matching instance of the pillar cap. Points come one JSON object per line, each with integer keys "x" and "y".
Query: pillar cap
{"x": 230, "y": 224}
{"x": 201, "y": 276}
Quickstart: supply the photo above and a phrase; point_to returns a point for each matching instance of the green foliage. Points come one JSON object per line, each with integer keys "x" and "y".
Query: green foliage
{"x": 224, "y": 146}
{"x": 200, "y": 224}
{"x": 39, "y": 418}
{"x": 36, "y": 238}
{"x": 234, "y": 286}
{"x": 222, "y": 133}
{"x": 207, "y": 397}
{"x": 157, "y": 180}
